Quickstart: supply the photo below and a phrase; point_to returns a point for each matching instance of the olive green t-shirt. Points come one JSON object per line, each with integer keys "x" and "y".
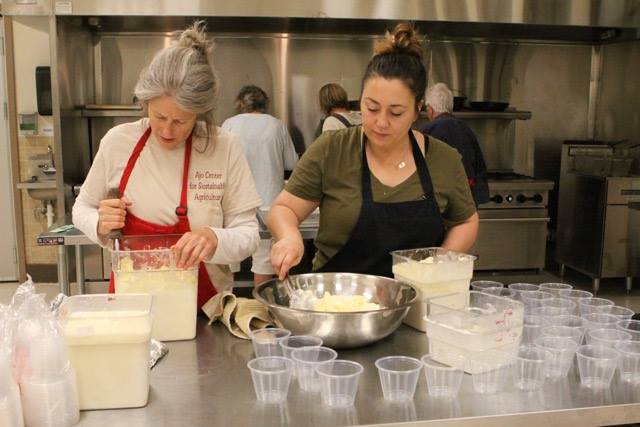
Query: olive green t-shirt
{"x": 330, "y": 172}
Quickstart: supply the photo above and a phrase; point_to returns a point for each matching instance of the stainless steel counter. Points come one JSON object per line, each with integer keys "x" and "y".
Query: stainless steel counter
{"x": 205, "y": 382}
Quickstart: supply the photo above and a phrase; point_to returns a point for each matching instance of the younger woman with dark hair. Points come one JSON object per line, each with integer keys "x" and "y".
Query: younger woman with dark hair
{"x": 379, "y": 186}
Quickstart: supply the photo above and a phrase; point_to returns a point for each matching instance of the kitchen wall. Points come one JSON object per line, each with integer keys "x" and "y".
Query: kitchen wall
{"x": 31, "y": 47}
{"x": 618, "y": 109}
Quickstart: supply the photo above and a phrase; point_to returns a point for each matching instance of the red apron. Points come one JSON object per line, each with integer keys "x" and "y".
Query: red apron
{"x": 134, "y": 226}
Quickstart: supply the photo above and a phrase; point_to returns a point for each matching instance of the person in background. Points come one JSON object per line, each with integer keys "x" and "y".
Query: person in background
{"x": 176, "y": 171}
{"x": 334, "y": 104}
{"x": 269, "y": 151}
{"x": 380, "y": 186}
{"x": 443, "y": 126}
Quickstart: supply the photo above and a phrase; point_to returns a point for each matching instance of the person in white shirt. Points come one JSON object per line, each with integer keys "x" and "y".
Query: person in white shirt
{"x": 334, "y": 104}
{"x": 176, "y": 171}
{"x": 269, "y": 151}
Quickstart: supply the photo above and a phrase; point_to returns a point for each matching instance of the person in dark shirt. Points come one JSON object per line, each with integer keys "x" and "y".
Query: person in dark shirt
{"x": 443, "y": 126}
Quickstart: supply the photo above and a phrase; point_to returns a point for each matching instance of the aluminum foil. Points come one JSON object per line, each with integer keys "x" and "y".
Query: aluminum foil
{"x": 157, "y": 351}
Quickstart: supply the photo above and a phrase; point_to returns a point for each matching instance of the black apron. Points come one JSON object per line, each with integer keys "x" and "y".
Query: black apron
{"x": 386, "y": 227}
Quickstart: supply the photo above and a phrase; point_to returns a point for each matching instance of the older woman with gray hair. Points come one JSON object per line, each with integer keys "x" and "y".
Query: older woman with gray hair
{"x": 175, "y": 171}
{"x": 270, "y": 151}
{"x": 447, "y": 128}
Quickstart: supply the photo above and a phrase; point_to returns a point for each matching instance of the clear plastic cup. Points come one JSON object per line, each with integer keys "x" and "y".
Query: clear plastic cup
{"x": 271, "y": 377}
{"x": 487, "y": 286}
{"x": 594, "y": 305}
{"x": 562, "y": 351}
{"x": 606, "y": 337}
{"x": 490, "y": 370}
{"x": 564, "y": 332}
{"x": 293, "y": 342}
{"x": 630, "y": 326}
{"x": 575, "y": 295}
{"x": 528, "y": 367}
{"x": 531, "y": 327}
{"x": 521, "y": 288}
{"x": 535, "y": 299}
{"x": 398, "y": 377}
{"x": 266, "y": 342}
{"x": 596, "y": 365}
{"x": 47, "y": 358}
{"x": 561, "y": 304}
{"x": 623, "y": 313}
{"x": 598, "y": 321}
{"x": 504, "y": 292}
{"x": 555, "y": 288}
{"x": 52, "y": 401}
{"x": 306, "y": 361}
{"x": 629, "y": 362}
{"x": 548, "y": 312}
{"x": 570, "y": 320}
{"x": 443, "y": 380}
{"x": 339, "y": 382}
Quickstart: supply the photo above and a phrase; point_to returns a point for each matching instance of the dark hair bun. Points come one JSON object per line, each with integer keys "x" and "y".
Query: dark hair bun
{"x": 403, "y": 39}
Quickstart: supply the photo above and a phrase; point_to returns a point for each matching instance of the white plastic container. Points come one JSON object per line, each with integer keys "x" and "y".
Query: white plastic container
{"x": 146, "y": 264}
{"x": 483, "y": 322}
{"x": 434, "y": 272}
{"x": 107, "y": 339}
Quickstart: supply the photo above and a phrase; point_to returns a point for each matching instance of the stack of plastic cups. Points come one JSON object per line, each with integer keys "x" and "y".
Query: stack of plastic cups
{"x": 443, "y": 381}
{"x": 487, "y": 286}
{"x": 596, "y": 366}
{"x": 629, "y": 362}
{"x": 339, "y": 382}
{"x": 10, "y": 406}
{"x": 306, "y": 360}
{"x": 48, "y": 385}
{"x": 529, "y": 367}
{"x": 490, "y": 370}
{"x": 562, "y": 351}
{"x": 576, "y": 296}
{"x": 594, "y": 305}
{"x": 398, "y": 377}
{"x": 522, "y": 288}
{"x": 555, "y": 288}
{"x": 271, "y": 377}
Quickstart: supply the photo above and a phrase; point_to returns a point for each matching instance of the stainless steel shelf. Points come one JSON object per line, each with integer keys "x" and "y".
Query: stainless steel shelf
{"x": 112, "y": 111}
{"x": 37, "y": 185}
{"x": 494, "y": 115}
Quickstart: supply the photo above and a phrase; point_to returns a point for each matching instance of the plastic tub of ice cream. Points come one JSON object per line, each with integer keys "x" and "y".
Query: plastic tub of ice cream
{"x": 147, "y": 264}
{"x": 107, "y": 338}
{"x": 434, "y": 272}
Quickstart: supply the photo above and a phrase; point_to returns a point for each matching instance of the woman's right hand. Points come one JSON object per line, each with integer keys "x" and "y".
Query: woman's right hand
{"x": 111, "y": 215}
{"x": 286, "y": 253}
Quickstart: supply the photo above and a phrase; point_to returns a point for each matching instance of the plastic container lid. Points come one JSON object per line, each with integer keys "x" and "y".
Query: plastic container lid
{"x": 106, "y": 318}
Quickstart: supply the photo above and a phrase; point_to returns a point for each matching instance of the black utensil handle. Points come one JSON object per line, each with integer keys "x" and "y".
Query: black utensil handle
{"x": 114, "y": 193}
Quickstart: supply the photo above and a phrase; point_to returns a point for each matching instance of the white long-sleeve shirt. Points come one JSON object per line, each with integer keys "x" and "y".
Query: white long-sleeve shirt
{"x": 221, "y": 191}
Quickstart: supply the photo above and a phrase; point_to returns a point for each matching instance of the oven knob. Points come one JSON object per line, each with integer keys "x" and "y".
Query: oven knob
{"x": 496, "y": 199}
{"x": 537, "y": 198}
{"x": 521, "y": 198}
{"x": 509, "y": 198}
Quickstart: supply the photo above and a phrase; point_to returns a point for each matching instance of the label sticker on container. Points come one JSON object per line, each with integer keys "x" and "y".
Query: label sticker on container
{"x": 64, "y": 7}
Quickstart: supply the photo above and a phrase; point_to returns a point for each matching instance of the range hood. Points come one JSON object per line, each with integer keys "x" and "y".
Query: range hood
{"x": 572, "y": 20}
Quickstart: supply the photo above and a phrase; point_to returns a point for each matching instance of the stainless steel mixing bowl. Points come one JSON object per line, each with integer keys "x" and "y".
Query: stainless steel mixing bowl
{"x": 340, "y": 330}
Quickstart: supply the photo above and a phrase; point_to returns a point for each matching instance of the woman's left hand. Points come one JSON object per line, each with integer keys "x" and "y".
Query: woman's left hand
{"x": 194, "y": 247}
